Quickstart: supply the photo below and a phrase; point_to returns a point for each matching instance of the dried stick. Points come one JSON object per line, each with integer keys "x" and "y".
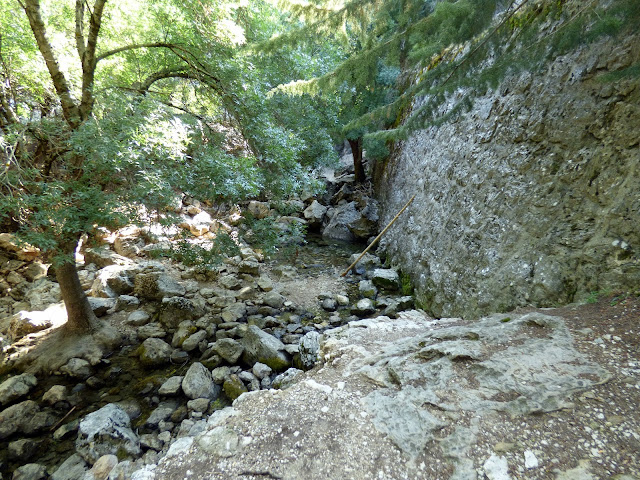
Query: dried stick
{"x": 378, "y": 237}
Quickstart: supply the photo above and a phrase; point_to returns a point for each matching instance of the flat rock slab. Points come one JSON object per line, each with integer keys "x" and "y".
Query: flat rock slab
{"x": 396, "y": 399}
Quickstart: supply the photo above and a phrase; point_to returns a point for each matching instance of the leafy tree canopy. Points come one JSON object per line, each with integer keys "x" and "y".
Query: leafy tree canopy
{"x": 110, "y": 108}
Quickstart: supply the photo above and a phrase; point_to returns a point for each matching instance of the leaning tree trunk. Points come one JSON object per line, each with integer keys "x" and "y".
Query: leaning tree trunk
{"x": 80, "y": 316}
{"x": 358, "y": 167}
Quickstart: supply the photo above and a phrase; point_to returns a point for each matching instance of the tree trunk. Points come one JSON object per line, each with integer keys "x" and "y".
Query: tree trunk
{"x": 358, "y": 168}
{"x": 79, "y": 312}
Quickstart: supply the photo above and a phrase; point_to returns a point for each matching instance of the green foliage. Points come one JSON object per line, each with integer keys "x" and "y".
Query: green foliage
{"x": 209, "y": 254}
{"x": 448, "y": 53}
{"x": 264, "y": 235}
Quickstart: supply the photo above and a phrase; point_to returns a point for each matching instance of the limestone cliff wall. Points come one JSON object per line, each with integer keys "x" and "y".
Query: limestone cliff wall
{"x": 532, "y": 197}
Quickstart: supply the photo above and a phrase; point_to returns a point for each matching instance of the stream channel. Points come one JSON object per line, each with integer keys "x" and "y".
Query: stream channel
{"x": 304, "y": 274}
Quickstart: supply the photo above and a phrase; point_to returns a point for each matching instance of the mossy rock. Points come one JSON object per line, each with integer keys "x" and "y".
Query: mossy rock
{"x": 233, "y": 387}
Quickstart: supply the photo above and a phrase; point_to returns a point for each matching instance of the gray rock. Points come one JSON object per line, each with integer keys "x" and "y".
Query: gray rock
{"x": 367, "y": 289}
{"x": 184, "y": 331}
{"x": 103, "y": 257}
{"x": 386, "y": 278}
{"x": 265, "y": 284}
{"x": 123, "y": 471}
{"x": 338, "y": 226}
{"x": 103, "y": 467}
{"x": 329, "y": 304}
{"x": 261, "y": 347}
{"x": 273, "y": 299}
{"x": 22, "y": 449}
{"x": 220, "y": 374}
{"x": 138, "y": 318}
{"x": 175, "y": 310}
{"x": 364, "y": 307}
{"x": 73, "y": 468}
{"x": 259, "y": 209}
{"x": 150, "y": 441}
{"x": 156, "y": 286}
{"x": 230, "y": 350}
{"x": 77, "y": 368}
{"x": 161, "y": 413}
{"x": 234, "y": 312}
{"x": 309, "y": 349}
{"x": 154, "y": 351}
{"x": 261, "y": 371}
{"x": 16, "y": 387}
{"x": 496, "y": 468}
{"x": 250, "y": 267}
{"x": 114, "y": 280}
{"x": 126, "y": 302}
{"x": 286, "y": 379}
{"x": 192, "y": 342}
{"x": 230, "y": 282}
{"x": 219, "y": 441}
{"x": 179, "y": 447}
{"x": 30, "y": 471}
{"x": 171, "y": 386}
{"x": 314, "y": 214}
{"x": 198, "y": 383}
{"x": 66, "y": 430}
{"x": 16, "y": 418}
{"x": 366, "y": 263}
{"x": 106, "y": 431}
{"x": 151, "y": 330}
{"x": 198, "y": 404}
{"x": 23, "y": 323}
{"x": 101, "y": 306}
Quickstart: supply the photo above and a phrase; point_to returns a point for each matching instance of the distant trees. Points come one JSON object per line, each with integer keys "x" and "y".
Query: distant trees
{"x": 408, "y": 64}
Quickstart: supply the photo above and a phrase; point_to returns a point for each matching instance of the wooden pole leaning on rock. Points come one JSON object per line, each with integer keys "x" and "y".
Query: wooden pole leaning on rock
{"x": 378, "y": 237}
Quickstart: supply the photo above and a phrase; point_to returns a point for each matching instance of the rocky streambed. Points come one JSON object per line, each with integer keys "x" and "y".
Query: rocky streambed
{"x": 179, "y": 344}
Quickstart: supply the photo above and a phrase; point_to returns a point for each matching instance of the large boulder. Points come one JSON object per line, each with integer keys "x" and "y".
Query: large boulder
{"x": 198, "y": 383}
{"x": 104, "y": 432}
{"x": 114, "y": 280}
{"x": 156, "y": 286}
{"x": 16, "y": 387}
{"x": 261, "y": 347}
{"x": 348, "y": 223}
{"x": 314, "y": 214}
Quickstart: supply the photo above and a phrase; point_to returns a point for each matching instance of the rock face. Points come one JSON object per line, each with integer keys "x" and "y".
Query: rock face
{"x": 529, "y": 198}
{"x": 424, "y": 379}
{"x": 106, "y": 431}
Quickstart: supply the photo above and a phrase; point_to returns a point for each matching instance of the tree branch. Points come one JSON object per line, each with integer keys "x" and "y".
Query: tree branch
{"x": 170, "y": 72}
{"x": 79, "y": 32}
{"x": 134, "y": 46}
{"x": 69, "y": 107}
{"x": 89, "y": 60}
